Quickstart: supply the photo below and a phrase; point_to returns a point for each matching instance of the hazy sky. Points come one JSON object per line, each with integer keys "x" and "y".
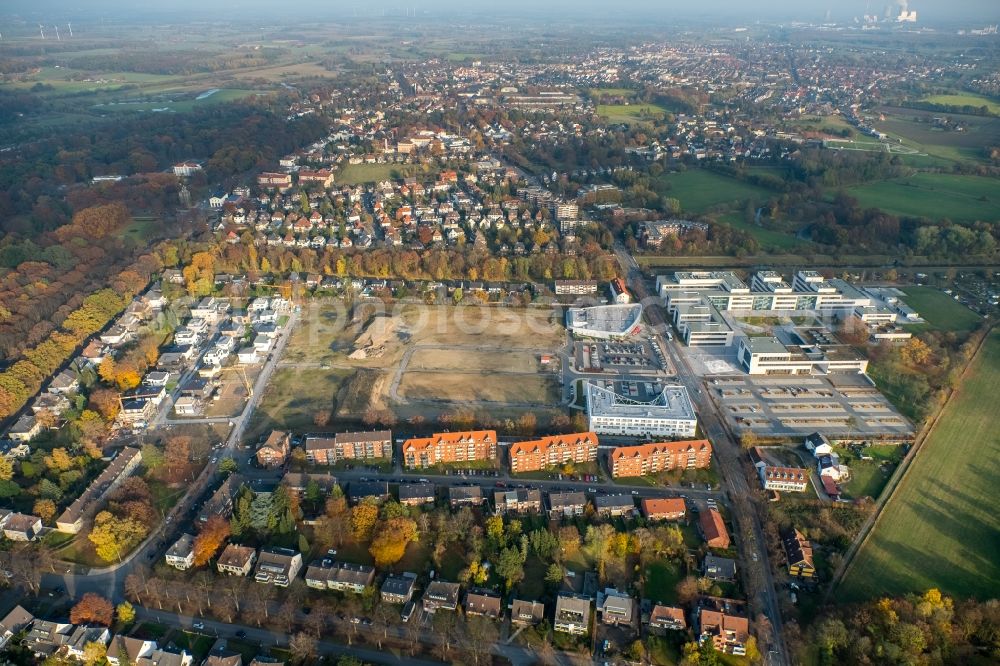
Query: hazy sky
{"x": 728, "y": 10}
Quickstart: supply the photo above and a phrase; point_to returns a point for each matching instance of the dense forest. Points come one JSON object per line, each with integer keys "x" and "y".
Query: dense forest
{"x": 228, "y": 139}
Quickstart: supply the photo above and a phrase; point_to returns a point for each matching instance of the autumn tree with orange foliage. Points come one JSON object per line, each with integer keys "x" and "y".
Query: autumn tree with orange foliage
{"x": 390, "y": 545}
{"x": 213, "y": 534}
{"x": 105, "y": 402}
{"x": 177, "y": 455}
{"x": 96, "y": 222}
{"x": 92, "y": 609}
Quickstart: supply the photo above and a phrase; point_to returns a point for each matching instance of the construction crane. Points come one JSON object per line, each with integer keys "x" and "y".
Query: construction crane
{"x": 246, "y": 382}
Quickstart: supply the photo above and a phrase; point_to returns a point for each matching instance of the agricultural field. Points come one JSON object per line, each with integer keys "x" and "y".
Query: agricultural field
{"x": 964, "y": 99}
{"x": 700, "y": 189}
{"x": 940, "y": 528}
{"x": 941, "y": 310}
{"x": 916, "y": 130}
{"x": 937, "y": 196}
{"x": 630, "y": 113}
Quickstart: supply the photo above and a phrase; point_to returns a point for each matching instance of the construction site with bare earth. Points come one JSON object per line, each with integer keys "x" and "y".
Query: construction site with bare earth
{"x": 416, "y": 361}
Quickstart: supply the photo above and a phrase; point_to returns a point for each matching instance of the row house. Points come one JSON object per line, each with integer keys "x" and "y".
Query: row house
{"x": 71, "y": 520}
{"x": 459, "y": 496}
{"x": 520, "y": 500}
{"x": 614, "y": 505}
{"x": 416, "y": 494}
{"x": 340, "y": 576}
{"x": 567, "y": 504}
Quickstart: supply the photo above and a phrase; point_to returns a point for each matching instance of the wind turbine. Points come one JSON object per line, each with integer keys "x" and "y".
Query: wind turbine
{"x": 58, "y": 38}
{"x": 41, "y": 30}
{"x": 70, "y": 26}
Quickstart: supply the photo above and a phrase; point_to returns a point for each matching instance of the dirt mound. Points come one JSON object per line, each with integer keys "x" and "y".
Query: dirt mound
{"x": 371, "y": 342}
{"x": 363, "y": 392}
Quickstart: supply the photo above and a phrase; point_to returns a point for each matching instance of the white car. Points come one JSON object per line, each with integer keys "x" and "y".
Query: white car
{"x": 198, "y": 625}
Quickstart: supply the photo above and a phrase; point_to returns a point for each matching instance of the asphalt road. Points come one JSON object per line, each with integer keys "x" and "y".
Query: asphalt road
{"x": 749, "y": 535}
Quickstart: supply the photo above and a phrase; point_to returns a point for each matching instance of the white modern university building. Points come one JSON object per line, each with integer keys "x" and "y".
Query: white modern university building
{"x": 605, "y": 321}
{"x": 668, "y": 414}
{"x": 697, "y": 300}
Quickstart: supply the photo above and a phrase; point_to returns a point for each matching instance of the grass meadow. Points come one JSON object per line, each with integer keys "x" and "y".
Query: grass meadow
{"x": 941, "y": 310}
{"x": 941, "y": 528}
{"x": 959, "y": 198}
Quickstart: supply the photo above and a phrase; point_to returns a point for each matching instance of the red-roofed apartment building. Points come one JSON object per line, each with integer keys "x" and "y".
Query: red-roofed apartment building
{"x": 662, "y": 457}
{"x": 555, "y": 450}
{"x": 450, "y": 447}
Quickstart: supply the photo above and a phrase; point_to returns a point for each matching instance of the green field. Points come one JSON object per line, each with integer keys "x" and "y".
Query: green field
{"x": 700, "y": 189}
{"x": 181, "y": 103}
{"x": 936, "y": 196}
{"x": 660, "y": 581}
{"x": 964, "y": 99}
{"x": 941, "y": 310}
{"x": 941, "y": 528}
{"x": 917, "y": 130}
{"x": 769, "y": 239}
{"x": 627, "y": 113}
{"x": 355, "y": 174}
{"x": 617, "y": 92}
{"x": 831, "y": 124}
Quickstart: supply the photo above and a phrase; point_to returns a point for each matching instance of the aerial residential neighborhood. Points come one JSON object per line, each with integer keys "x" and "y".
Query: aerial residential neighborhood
{"x": 521, "y": 334}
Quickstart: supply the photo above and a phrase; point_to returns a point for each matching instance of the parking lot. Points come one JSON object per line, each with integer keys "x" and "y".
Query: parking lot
{"x": 847, "y": 405}
{"x": 632, "y": 356}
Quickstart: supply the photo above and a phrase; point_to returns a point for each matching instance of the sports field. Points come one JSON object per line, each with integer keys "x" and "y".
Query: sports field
{"x": 626, "y": 113}
{"x": 941, "y": 528}
{"x": 700, "y": 189}
{"x": 933, "y": 195}
{"x": 354, "y": 174}
{"x": 941, "y": 310}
